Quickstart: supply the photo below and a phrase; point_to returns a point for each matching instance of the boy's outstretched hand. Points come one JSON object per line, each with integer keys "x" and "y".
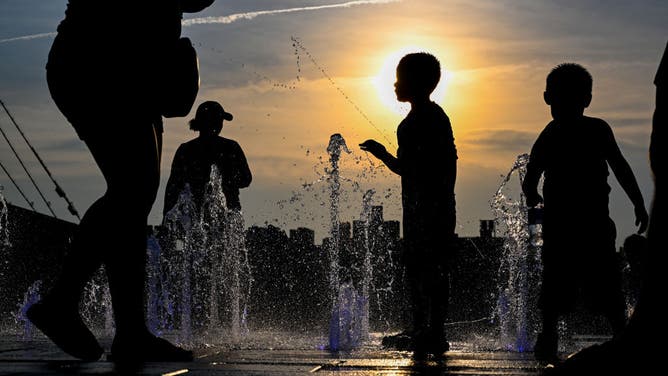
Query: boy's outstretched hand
{"x": 373, "y": 147}
{"x": 533, "y": 200}
{"x": 642, "y": 219}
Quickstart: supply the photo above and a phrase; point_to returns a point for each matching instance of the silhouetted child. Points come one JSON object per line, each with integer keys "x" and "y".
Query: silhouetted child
{"x": 193, "y": 160}
{"x": 635, "y": 351}
{"x": 574, "y": 152}
{"x": 427, "y": 163}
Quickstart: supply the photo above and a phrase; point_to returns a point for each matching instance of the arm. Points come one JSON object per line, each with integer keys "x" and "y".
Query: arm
{"x": 244, "y": 176}
{"x": 624, "y": 174}
{"x": 379, "y": 151}
{"x": 535, "y": 169}
{"x": 175, "y": 182}
{"x": 530, "y": 186}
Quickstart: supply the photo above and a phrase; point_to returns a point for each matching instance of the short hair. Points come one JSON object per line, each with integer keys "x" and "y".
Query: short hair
{"x": 422, "y": 68}
{"x": 570, "y": 78}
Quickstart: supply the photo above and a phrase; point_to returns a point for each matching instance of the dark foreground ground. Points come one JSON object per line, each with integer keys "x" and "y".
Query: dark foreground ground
{"x": 275, "y": 354}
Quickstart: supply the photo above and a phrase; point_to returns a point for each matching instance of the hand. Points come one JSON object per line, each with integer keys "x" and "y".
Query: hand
{"x": 373, "y": 147}
{"x": 534, "y": 200}
{"x": 642, "y": 219}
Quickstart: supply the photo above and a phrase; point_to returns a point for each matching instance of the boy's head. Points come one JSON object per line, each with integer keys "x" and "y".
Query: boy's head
{"x": 568, "y": 90}
{"x": 417, "y": 76}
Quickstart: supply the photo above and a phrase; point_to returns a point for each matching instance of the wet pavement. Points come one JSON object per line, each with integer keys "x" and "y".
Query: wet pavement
{"x": 39, "y": 357}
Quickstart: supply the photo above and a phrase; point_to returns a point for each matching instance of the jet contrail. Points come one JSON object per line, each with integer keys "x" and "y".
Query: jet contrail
{"x": 250, "y": 15}
{"x": 234, "y": 17}
{"x": 27, "y": 37}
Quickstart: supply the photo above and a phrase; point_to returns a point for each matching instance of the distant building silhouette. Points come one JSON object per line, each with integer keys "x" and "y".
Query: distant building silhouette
{"x": 487, "y": 228}
{"x": 302, "y": 237}
{"x": 344, "y": 231}
{"x": 291, "y": 273}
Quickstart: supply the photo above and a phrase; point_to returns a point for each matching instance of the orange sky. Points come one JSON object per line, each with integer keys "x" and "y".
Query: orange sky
{"x": 495, "y": 56}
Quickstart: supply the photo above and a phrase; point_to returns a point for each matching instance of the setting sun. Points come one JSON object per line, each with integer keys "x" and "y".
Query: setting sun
{"x": 386, "y": 77}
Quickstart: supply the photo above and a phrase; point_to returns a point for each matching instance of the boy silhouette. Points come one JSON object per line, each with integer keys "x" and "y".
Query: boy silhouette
{"x": 573, "y": 153}
{"x": 427, "y": 163}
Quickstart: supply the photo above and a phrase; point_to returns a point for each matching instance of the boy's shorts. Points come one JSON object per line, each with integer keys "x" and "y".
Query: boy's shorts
{"x": 581, "y": 265}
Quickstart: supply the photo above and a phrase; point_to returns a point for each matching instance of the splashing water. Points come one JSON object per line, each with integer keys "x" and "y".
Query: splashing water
{"x": 4, "y": 229}
{"x": 208, "y": 255}
{"x": 349, "y": 323}
{"x": 225, "y": 243}
{"x": 95, "y": 307}
{"x": 336, "y": 144}
{"x": 349, "y": 318}
{"x": 4, "y": 243}
{"x": 339, "y": 311}
{"x": 159, "y": 315}
{"x": 182, "y": 238}
{"x": 520, "y": 268}
{"x": 31, "y": 297}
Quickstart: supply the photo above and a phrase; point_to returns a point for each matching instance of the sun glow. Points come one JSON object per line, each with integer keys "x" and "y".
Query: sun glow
{"x": 386, "y": 77}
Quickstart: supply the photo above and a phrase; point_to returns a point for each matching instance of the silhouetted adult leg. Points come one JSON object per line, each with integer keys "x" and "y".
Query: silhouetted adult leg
{"x": 113, "y": 229}
{"x": 129, "y": 159}
{"x": 130, "y": 164}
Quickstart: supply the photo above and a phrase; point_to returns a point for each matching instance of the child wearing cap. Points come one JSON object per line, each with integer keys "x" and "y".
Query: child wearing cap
{"x": 193, "y": 160}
